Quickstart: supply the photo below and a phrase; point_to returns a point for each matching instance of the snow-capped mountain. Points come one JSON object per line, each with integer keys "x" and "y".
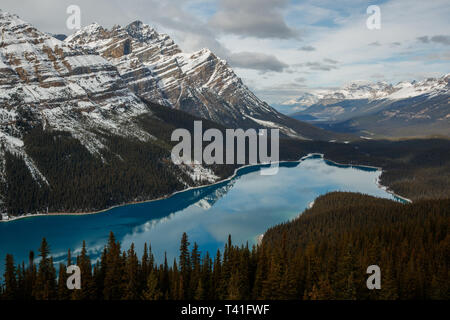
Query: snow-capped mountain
{"x": 155, "y": 68}
{"x": 80, "y": 100}
{"x": 364, "y": 90}
{"x": 301, "y": 103}
{"x": 81, "y": 121}
{"x": 60, "y": 88}
{"x": 408, "y": 104}
{"x": 200, "y": 83}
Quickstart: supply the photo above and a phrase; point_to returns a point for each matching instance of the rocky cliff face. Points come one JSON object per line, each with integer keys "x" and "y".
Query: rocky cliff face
{"x": 47, "y": 83}
{"x": 200, "y": 83}
{"x": 91, "y": 98}
{"x": 49, "y": 86}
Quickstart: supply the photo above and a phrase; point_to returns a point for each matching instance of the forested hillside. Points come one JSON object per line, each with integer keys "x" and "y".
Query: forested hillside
{"x": 132, "y": 170}
{"x": 416, "y": 169}
{"x": 323, "y": 254}
{"x": 78, "y": 180}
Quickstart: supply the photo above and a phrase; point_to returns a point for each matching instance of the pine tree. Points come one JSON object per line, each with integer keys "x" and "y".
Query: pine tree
{"x": 217, "y": 276}
{"x": 45, "y": 286}
{"x": 146, "y": 265}
{"x": 200, "y": 291}
{"x": 30, "y": 275}
{"x": 11, "y": 289}
{"x": 196, "y": 270}
{"x": 185, "y": 266}
{"x": 63, "y": 292}
{"x": 234, "y": 291}
{"x": 87, "y": 291}
{"x": 164, "y": 277}
{"x": 113, "y": 268}
{"x": 131, "y": 275}
{"x": 152, "y": 292}
{"x": 388, "y": 286}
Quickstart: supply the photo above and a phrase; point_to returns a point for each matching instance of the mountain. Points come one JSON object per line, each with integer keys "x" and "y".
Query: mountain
{"x": 200, "y": 83}
{"x": 295, "y": 105}
{"x": 82, "y": 130}
{"x": 381, "y": 109}
{"x": 73, "y": 136}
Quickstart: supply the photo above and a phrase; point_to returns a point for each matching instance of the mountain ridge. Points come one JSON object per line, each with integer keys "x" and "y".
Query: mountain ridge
{"x": 200, "y": 83}
{"x": 75, "y": 136}
{"x": 406, "y": 109}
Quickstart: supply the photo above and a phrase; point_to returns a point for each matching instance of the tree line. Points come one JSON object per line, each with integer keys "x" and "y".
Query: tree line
{"x": 323, "y": 254}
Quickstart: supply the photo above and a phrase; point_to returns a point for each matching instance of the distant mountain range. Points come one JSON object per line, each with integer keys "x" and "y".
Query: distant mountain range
{"x": 380, "y": 109}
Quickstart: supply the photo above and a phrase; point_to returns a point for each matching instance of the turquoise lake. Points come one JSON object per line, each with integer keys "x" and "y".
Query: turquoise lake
{"x": 245, "y": 207}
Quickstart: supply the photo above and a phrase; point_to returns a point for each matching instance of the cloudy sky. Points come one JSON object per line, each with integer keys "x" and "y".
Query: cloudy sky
{"x": 282, "y": 48}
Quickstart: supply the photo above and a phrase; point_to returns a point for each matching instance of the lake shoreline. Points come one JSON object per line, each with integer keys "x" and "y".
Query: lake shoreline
{"x": 236, "y": 171}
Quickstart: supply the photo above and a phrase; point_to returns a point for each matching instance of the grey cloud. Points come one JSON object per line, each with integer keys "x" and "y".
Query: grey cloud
{"x": 442, "y": 39}
{"x": 307, "y": 48}
{"x": 318, "y": 66}
{"x": 255, "y": 18}
{"x": 256, "y": 61}
{"x": 375, "y": 44}
{"x": 331, "y": 61}
{"x": 326, "y": 65}
{"x": 423, "y": 39}
{"x": 301, "y": 79}
{"x": 284, "y": 89}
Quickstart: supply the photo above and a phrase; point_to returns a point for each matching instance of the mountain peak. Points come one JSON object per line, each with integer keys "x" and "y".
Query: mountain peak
{"x": 200, "y": 83}
{"x": 86, "y": 34}
{"x": 91, "y": 28}
{"x": 136, "y": 24}
{"x": 141, "y": 31}
{"x": 10, "y": 20}
{"x": 59, "y": 86}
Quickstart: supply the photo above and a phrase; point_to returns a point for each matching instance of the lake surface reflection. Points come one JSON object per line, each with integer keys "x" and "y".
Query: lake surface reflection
{"x": 245, "y": 207}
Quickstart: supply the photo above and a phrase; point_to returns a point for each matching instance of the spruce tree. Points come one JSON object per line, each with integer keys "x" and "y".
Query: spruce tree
{"x": 10, "y": 276}
{"x": 131, "y": 275}
{"x": 152, "y": 292}
{"x": 45, "y": 286}
{"x": 113, "y": 269}
{"x": 185, "y": 266}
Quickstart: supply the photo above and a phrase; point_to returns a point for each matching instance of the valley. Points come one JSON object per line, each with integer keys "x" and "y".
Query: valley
{"x": 380, "y": 110}
{"x": 90, "y": 170}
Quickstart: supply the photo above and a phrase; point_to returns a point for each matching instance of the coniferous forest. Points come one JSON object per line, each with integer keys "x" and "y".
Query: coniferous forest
{"x": 323, "y": 254}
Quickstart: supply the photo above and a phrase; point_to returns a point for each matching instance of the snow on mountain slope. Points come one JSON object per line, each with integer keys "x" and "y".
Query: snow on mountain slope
{"x": 46, "y": 83}
{"x": 200, "y": 83}
{"x": 59, "y": 103}
{"x": 431, "y": 87}
{"x": 363, "y": 90}
{"x": 358, "y": 99}
{"x": 405, "y": 109}
{"x": 62, "y": 88}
